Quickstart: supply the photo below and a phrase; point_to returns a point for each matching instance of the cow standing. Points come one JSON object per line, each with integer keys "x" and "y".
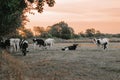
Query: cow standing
{"x": 12, "y": 44}
{"x": 101, "y": 42}
{"x": 24, "y": 46}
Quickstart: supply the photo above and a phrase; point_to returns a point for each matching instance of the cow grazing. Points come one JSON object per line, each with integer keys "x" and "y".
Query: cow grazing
{"x": 73, "y": 47}
{"x": 101, "y": 42}
{"x": 15, "y": 43}
{"x": 49, "y": 42}
{"x": 39, "y": 42}
{"x": 12, "y": 44}
{"x": 24, "y": 46}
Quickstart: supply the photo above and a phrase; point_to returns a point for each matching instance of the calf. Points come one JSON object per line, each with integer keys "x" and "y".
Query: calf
{"x": 73, "y": 47}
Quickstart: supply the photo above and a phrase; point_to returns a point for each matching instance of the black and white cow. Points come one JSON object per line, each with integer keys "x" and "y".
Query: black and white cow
{"x": 11, "y": 44}
{"x": 73, "y": 47}
{"x": 15, "y": 44}
{"x": 2, "y": 43}
{"x": 39, "y": 42}
{"x": 101, "y": 42}
{"x": 24, "y": 46}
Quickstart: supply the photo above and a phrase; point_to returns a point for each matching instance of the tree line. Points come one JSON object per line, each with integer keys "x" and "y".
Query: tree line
{"x": 62, "y": 30}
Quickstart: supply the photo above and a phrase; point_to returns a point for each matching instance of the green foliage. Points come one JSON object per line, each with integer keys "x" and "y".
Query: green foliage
{"x": 61, "y": 30}
{"x": 116, "y": 35}
{"x": 12, "y": 13}
{"x": 96, "y": 33}
{"x": 46, "y": 35}
{"x": 90, "y": 32}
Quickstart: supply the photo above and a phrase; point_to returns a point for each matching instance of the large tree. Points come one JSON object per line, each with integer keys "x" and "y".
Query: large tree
{"x": 12, "y": 13}
{"x": 61, "y": 30}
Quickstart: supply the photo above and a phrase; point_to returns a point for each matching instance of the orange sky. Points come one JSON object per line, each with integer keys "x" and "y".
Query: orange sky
{"x": 103, "y": 15}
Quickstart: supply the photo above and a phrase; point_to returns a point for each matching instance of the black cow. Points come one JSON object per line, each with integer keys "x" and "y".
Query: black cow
{"x": 4, "y": 43}
{"x": 73, "y": 47}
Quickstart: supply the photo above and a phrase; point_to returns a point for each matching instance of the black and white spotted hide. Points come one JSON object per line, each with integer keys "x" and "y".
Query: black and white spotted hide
{"x": 101, "y": 42}
{"x": 24, "y": 46}
{"x": 73, "y": 47}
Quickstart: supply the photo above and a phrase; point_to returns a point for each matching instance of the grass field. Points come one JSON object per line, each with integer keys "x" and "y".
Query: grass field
{"x": 87, "y": 62}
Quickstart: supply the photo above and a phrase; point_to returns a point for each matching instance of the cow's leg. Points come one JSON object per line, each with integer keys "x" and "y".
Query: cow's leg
{"x": 18, "y": 47}
{"x": 24, "y": 51}
{"x": 105, "y": 45}
{"x": 12, "y": 48}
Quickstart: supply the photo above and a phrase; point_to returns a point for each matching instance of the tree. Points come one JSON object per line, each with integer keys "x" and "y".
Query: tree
{"x": 116, "y": 35}
{"x": 27, "y": 33}
{"x": 90, "y": 32}
{"x": 12, "y": 13}
{"x": 46, "y": 35}
{"x": 98, "y": 33}
{"x": 61, "y": 30}
{"x": 38, "y": 30}
{"x": 82, "y": 34}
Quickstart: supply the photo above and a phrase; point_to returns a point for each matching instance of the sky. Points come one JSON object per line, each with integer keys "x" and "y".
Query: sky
{"x": 103, "y": 15}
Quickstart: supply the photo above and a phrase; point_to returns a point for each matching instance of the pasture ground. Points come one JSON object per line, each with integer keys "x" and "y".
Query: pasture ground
{"x": 87, "y": 62}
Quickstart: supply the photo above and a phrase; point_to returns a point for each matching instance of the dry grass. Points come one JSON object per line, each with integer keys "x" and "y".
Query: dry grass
{"x": 88, "y": 62}
{"x": 11, "y": 68}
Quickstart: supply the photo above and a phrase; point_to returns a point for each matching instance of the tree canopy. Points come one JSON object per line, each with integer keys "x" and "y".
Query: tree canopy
{"x": 61, "y": 30}
{"x": 12, "y": 13}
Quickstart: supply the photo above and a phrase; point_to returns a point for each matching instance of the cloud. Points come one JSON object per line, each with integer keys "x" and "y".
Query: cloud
{"x": 87, "y": 10}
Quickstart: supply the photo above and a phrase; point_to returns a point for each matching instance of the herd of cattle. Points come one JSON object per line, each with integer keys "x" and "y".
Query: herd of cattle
{"x": 16, "y": 44}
